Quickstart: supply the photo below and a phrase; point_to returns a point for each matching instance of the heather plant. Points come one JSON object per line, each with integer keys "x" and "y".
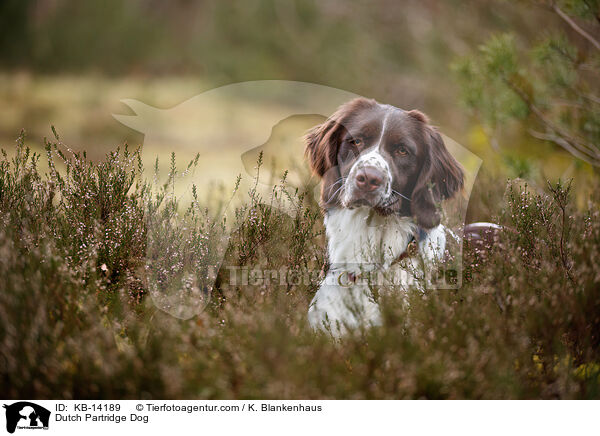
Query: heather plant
{"x": 77, "y": 318}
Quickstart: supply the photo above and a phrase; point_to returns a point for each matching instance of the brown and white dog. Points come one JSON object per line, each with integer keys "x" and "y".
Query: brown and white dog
{"x": 384, "y": 173}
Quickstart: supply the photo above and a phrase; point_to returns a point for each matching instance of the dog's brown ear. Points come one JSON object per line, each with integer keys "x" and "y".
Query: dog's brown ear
{"x": 441, "y": 177}
{"x": 423, "y": 206}
{"x": 418, "y": 115}
{"x": 448, "y": 174}
{"x": 323, "y": 141}
{"x": 322, "y": 146}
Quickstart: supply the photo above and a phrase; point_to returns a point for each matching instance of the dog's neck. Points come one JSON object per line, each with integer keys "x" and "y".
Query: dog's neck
{"x": 360, "y": 237}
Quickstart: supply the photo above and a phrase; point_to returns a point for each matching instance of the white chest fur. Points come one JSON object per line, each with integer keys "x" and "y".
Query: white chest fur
{"x": 359, "y": 240}
{"x": 359, "y": 236}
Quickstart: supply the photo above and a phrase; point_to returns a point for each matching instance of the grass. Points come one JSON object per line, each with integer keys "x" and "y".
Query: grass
{"x": 85, "y": 250}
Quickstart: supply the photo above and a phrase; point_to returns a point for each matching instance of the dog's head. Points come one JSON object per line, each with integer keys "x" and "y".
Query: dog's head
{"x": 379, "y": 156}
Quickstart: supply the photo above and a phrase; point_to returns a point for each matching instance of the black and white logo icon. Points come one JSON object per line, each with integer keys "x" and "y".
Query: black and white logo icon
{"x": 26, "y": 415}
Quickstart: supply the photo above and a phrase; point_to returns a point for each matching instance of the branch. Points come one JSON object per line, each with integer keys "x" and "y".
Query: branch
{"x": 575, "y": 26}
{"x": 579, "y": 144}
{"x": 560, "y": 199}
{"x": 595, "y": 161}
{"x": 592, "y": 98}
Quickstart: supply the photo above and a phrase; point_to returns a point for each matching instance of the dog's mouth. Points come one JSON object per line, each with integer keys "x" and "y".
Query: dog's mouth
{"x": 373, "y": 200}
{"x": 382, "y": 205}
{"x": 359, "y": 202}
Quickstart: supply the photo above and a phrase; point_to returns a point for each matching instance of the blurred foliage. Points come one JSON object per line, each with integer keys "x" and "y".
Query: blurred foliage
{"x": 355, "y": 45}
{"x": 553, "y": 87}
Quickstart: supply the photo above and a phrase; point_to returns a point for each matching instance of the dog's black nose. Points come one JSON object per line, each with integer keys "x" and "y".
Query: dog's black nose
{"x": 369, "y": 179}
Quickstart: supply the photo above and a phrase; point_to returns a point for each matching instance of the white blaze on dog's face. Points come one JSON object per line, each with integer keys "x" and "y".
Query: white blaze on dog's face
{"x": 375, "y": 155}
{"x": 369, "y": 180}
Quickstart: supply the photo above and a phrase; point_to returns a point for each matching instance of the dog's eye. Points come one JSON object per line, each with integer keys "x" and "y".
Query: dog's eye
{"x": 356, "y": 142}
{"x": 401, "y": 150}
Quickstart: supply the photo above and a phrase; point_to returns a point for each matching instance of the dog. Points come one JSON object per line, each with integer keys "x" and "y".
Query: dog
{"x": 384, "y": 173}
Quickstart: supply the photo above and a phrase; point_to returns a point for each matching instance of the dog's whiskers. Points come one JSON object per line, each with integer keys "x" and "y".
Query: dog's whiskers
{"x": 401, "y": 195}
{"x": 340, "y": 180}
{"x": 394, "y": 198}
{"x": 338, "y": 190}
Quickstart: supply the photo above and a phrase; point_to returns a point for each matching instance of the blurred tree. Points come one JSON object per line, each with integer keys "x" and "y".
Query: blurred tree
{"x": 553, "y": 87}
{"x": 14, "y": 31}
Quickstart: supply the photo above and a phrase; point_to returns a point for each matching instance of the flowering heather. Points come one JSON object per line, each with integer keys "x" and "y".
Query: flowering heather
{"x": 77, "y": 275}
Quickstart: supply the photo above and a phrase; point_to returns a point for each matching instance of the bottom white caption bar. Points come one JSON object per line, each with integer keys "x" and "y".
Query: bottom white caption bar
{"x": 22, "y": 417}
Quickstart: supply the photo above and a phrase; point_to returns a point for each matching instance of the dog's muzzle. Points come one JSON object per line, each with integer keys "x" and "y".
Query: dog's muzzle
{"x": 368, "y": 186}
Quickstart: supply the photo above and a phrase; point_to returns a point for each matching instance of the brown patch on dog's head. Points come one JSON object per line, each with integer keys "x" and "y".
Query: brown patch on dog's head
{"x": 394, "y": 161}
{"x": 323, "y": 143}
